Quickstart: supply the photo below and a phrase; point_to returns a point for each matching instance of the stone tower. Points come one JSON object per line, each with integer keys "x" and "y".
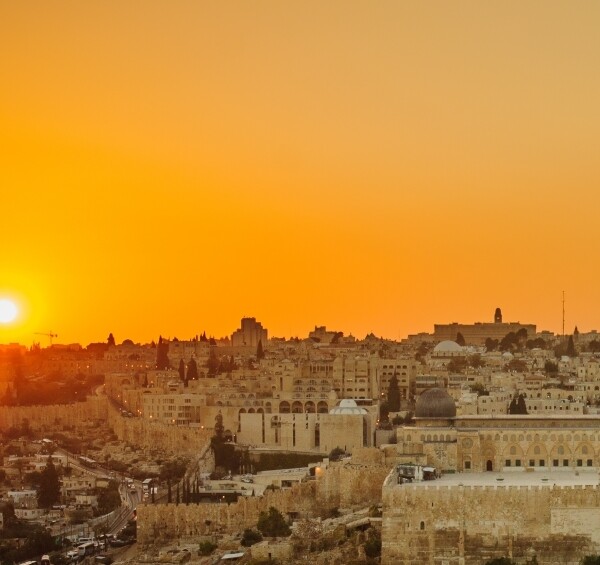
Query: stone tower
{"x": 498, "y": 316}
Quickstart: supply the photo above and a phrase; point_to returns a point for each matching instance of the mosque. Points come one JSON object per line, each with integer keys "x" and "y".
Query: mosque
{"x": 504, "y": 443}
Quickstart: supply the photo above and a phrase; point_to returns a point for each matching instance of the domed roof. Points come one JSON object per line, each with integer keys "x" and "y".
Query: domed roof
{"x": 347, "y": 406}
{"x": 447, "y": 347}
{"x": 435, "y": 403}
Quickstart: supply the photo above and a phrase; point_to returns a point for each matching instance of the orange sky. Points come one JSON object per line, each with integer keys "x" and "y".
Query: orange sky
{"x": 169, "y": 167}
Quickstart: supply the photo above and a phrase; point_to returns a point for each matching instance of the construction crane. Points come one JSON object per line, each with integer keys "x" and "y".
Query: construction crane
{"x": 49, "y": 335}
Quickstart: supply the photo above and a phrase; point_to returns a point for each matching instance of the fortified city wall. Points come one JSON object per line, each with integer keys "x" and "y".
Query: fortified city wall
{"x": 468, "y": 525}
{"x": 56, "y": 417}
{"x": 153, "y": 436}
{"x": 97, "y": 411}
{"x": 342, "y": 485}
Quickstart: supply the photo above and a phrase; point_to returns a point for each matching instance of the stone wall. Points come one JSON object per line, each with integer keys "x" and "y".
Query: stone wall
{"x": 97, "y": 411}
{"x": 468, "y": 525}
{"x": 342, "y": 485}
{"x": 56, "y": 417}
{"x": 157, "y": 437}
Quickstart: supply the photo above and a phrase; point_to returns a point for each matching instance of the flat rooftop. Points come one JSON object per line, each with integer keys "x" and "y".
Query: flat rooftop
{"x": 559, "y": 478}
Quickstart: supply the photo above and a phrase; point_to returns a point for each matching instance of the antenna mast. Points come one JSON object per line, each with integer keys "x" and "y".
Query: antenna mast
{"x": 563, "y": 312}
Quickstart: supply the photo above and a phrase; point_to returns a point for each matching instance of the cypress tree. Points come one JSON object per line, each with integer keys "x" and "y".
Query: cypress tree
{"x": 192, "y": 374}
{"x": 393, "y": 395}
{"x": 260, "y": 354}
{"x": 49, "y": 490}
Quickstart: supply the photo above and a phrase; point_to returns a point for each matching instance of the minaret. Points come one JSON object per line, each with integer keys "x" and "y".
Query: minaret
{"x": 498, "y": 316}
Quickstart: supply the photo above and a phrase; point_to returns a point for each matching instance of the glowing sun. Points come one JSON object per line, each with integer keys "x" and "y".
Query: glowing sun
{"x": 8, "y": 311}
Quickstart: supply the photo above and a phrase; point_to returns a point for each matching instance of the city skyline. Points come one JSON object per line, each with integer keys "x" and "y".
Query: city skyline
{"x": 170, "y": 170}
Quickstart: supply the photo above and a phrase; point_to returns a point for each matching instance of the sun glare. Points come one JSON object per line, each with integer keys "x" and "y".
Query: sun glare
{"x": 8, "y": 311}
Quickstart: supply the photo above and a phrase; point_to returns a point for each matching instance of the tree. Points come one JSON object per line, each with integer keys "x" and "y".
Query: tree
{"x": 207, "y": 547}
{"x": 162, "y": 354}
{"x": 479, "y": 389}
{"x": 456, "y": 365}
{"x": 109, "y": 498}
{"x": 384, "y": 411}
{"x": 491, "y": 344}
{"x": 550, "y": 367}
{"x": 476, "y": 361}
{"x": 213, "y": 363}
{"x": 260, "y": 354}
{"x": 393, "y": 395}
{"x": 111, "y": 340}
{"x": 272, "y": 523}
{"x": 336, "y": 453}
{"x": 591, "y": 560}
{"x": 571, "y": 351}
{"x": 192, "y": 373}
{"x": 181, "y": 370}
{"x": 517, "y": 405}
{"x": 460, "y": 339}
{"x": 509, "y": 342}
{"x": 373, "y": 545}
{"x": 250, "y": 537}
{"x": 594, "y": 346}
{"x": 516, "y": 365}
{"x": 49, "y": 490}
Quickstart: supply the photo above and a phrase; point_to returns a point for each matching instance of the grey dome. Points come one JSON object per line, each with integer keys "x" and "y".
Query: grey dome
{"x": 435, "y": 403}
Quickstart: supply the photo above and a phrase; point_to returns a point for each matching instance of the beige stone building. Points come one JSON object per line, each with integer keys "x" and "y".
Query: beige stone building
{"x": 347, "y": 426}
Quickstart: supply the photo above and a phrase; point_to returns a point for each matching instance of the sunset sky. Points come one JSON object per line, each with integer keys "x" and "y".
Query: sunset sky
{"x": 169, "y": 167}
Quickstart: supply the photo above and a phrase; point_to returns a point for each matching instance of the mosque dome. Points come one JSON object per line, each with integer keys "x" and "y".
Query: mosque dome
{"x": 447, "y": 346}
{"x": 347, "y": 406}
{"x": 435, "y": 403}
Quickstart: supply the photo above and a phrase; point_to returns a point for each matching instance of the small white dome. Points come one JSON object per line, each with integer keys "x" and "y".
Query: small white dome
{"x": 348, "y": 406}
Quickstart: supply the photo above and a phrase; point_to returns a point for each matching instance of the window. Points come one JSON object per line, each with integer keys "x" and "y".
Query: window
{"x": 507, "y": 463}
{"x": 565, "y": 462}
{"x": 517, "y": 463}
{"x": 531, "y": 463}
{"x": 579, "y": 462}
{"x": 542, "y": 463}
{"x": 589, "y": 462}
{"x": 467, "y": 465}
{"x": 555, "y": 463}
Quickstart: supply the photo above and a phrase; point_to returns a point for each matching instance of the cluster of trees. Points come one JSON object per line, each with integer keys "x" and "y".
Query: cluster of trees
{"x": 517, "y": 405}
{"x": 55, "y": 388}
{"x": 108, "y": 498}
{"x": 38, "y": 540}
{"x": 515, "y": 341}
{"x": 508, "y": 561}
{"x": 460, "y": 364}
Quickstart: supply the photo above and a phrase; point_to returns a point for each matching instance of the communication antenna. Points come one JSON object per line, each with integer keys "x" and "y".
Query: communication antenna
{"x": 563, "y": 312}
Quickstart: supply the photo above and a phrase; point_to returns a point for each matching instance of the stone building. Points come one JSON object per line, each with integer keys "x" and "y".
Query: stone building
{"x": 477, "y": 333}
{"x": 498, "y": 442}
{"x": 347, "y": 426}
{"x": 249, "y": 334}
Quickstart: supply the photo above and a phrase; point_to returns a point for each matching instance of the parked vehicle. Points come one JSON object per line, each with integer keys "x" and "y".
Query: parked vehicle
{"x": 85, "y": 549}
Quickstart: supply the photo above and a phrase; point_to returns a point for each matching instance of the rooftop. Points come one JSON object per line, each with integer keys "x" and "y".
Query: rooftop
{"x": 520, "y": 478}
